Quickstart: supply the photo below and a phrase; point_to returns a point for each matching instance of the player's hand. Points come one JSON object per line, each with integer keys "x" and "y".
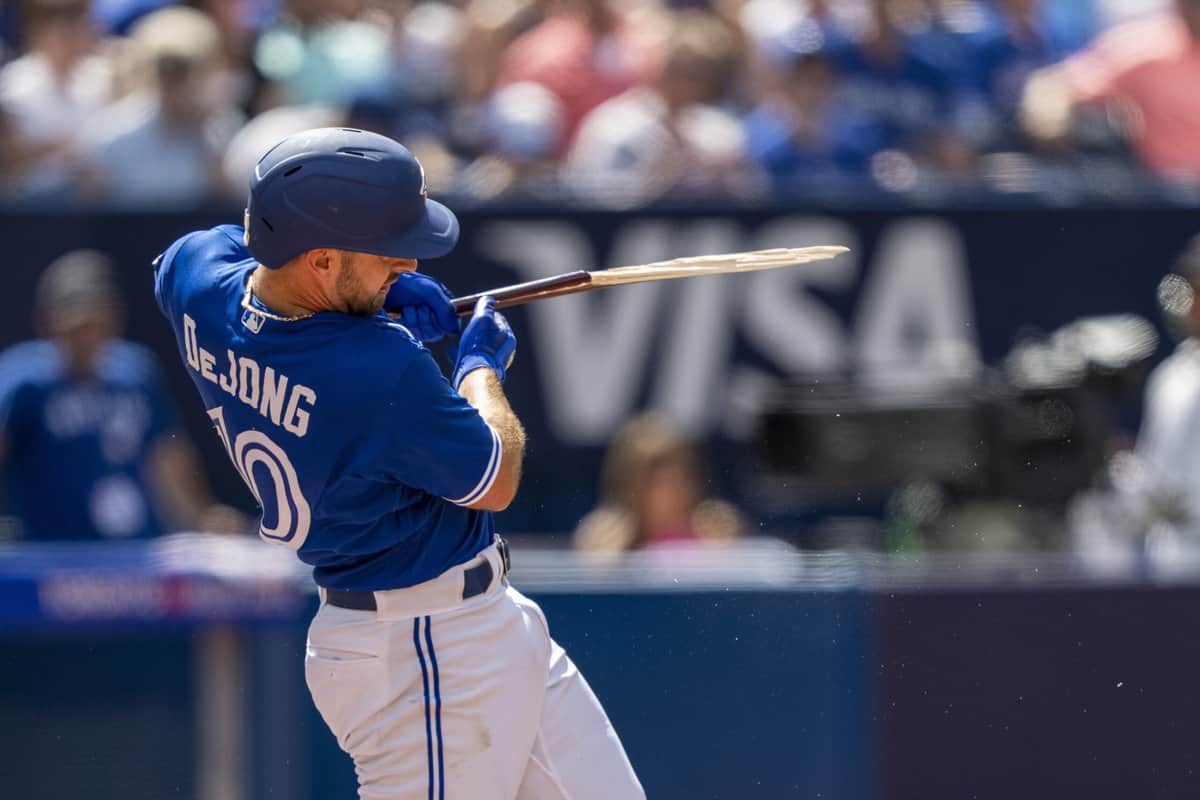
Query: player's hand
{"x": 487, "y": 341}
{"x": 422, "y": 305}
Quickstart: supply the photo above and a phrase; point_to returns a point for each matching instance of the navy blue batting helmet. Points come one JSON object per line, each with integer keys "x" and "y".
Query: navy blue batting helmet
{"x": 343, "y": 189}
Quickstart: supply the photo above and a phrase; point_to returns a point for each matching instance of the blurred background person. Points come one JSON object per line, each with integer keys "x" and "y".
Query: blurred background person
{"x": 162, "y": 145}
{"x": 802, "y": 132}
{"x": 654, "y": 495}
{"x": 50, "y": 94}
{"x": 1145, "y": 73}
{"x": 1012, "y": 40}
{"x": 585, "y": 52}
{"x": 491, "y": 26}
{"x": 418, "y": 101}
{"x": 668, "y": 137}
{"x": 522, "y": 124}
{"x": 1152, "y": 506}
{"x": 88, "y": 438}
{"x": 419, "y": 96}
{"x": 903, "y": 70}
{"x": 323, "y": 51}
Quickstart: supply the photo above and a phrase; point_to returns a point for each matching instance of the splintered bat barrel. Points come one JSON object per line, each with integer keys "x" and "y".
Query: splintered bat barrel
{"x": 688, "y": 267}
{"x": 515, "y": 295}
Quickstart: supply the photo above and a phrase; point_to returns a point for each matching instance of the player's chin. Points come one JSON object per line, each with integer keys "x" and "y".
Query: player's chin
{"x": 368, "y": 308}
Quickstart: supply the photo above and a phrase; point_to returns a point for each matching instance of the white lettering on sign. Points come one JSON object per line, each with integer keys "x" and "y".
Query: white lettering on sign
{"x": 915, "y": 323}
{"x": 592, "y": 349}
{"x": 792, "y": 328}
{"x": 689, "y": 384}
{"x": 596, "y": 351}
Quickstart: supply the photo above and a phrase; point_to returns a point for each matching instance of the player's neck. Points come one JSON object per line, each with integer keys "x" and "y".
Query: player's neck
{"x": 78, "y": 364}
{"x": 281, "y": 293}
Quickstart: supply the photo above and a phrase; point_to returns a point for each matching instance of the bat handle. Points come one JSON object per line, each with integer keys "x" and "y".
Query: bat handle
{"x": 515, "y": 295}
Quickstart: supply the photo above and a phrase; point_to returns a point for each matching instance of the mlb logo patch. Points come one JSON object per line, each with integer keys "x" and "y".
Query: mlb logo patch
{"x": 253, "y": 320}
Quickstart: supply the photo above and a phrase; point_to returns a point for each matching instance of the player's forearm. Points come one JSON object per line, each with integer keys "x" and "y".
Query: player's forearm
{"x": 483, "y": 390}
{"x": 181, "y": 491}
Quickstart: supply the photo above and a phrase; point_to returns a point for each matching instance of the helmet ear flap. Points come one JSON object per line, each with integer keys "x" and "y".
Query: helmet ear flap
{"x": 252, "y": 235}
{"x": 260, "y": 234}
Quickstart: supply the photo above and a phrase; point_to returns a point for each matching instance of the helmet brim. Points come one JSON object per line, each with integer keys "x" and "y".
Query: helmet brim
{"x": 434, "y": 236}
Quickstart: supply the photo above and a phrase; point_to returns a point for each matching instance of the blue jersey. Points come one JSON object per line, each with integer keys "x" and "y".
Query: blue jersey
{"x": 78, "y": 448}
{"x": 911, "y": 97}
{"x": 843, "y": 147}
{"x": 361, "y": 454}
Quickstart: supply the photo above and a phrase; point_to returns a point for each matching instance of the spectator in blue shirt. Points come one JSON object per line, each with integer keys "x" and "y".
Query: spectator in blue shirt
{"x": 801, "y": 133}
{"x": 905, "y": 72}
{"x": 87, "y": 435}
{"x": 1016, "y": 38}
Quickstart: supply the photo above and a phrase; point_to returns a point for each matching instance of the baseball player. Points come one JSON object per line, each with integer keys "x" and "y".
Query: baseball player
{"x": 88, "y": 439}
{"x": 436, "y": 676}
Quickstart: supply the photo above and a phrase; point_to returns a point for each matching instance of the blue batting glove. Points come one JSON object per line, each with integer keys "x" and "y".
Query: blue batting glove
{"x": 487, "y": 341}
{"x": 422, "y": 305}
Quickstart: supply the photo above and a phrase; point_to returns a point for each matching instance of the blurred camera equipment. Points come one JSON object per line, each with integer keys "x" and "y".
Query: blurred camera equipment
{"x": 1033, "y": 430}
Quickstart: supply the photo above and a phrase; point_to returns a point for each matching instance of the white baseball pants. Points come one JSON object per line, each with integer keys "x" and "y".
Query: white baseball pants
{"x": 436, "y": 698}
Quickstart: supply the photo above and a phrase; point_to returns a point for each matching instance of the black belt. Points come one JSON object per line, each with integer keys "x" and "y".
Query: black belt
{"x": 476, "y": 581}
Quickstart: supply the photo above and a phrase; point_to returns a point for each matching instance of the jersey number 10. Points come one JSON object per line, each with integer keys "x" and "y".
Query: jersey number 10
{"x": 269, "y": 473}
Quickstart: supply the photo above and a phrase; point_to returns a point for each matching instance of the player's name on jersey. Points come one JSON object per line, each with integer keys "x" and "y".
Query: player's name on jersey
{"x": 283, "y": 402}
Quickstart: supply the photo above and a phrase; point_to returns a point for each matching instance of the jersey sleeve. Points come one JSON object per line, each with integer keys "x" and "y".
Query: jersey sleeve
{"x": 164, "y": 275}
{"x": 14, "y": 397}
{"x": 430, "y": 438}
{"x": 11, "y": 412}
{"x": 189, "y": 256}
{"x": 8, "y": 393}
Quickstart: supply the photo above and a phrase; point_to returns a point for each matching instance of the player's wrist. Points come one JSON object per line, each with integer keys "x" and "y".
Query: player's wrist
{"x": 487, "y": 341}
{"x": 474, "y": 363}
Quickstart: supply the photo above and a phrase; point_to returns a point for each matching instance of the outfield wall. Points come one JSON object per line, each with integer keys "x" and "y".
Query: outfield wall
{"x": 822, "y": 677}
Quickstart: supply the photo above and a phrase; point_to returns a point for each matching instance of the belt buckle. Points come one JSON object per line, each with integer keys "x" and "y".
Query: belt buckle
{"x": 502, "y": 547}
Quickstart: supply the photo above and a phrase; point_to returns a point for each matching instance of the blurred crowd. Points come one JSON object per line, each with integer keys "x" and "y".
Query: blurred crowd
{"x": 149, "y": 103}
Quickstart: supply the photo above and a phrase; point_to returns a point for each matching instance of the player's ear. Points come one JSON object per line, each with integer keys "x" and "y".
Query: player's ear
{"x": 322, "y": 260}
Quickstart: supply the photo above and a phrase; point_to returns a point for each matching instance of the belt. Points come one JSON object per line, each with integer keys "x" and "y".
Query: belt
{"x": 476, "y": 581}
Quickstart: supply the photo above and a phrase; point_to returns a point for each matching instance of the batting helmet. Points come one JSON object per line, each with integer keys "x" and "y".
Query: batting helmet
{"x": 344, "y": 189}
